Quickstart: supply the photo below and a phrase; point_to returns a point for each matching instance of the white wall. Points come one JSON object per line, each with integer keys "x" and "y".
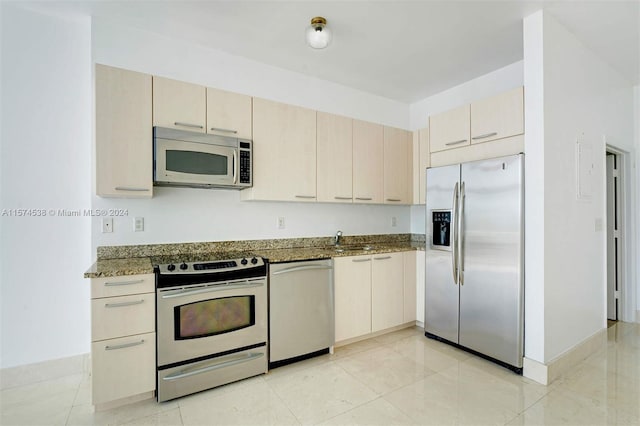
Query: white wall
{"x": 581, "y": 97}
{"x": 178, "y": 214}
{"x": 490, "y": 84}
{"x": 46, "y": 150}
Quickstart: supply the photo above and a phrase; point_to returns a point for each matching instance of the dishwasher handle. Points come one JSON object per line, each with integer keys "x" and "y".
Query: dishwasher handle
{"x": 302, "y": 268}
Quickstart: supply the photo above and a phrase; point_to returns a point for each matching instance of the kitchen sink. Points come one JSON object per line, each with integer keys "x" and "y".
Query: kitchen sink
{"x": 353, "y": 248}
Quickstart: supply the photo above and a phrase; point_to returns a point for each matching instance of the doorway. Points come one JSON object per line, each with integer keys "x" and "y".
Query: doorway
{"x": 614, "y": 236}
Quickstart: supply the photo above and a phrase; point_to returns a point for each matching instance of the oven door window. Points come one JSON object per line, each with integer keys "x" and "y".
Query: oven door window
{"x": 197, "y": 163}
{"x": 214, "y": 316}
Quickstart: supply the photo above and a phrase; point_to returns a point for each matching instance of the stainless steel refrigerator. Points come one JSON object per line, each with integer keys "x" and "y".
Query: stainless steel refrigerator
{"x": 475, "y": 257}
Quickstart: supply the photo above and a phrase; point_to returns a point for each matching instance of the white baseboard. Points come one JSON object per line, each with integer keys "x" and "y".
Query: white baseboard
{"x": 546, "y": 373}
{"x": 46, "y": 370}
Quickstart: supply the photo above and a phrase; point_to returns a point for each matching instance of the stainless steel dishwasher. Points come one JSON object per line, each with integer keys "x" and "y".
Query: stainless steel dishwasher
{"x": 301, "y": 311}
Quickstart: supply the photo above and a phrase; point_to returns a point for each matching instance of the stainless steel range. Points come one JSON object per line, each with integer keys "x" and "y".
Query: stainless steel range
{"x": 211, "y": 323}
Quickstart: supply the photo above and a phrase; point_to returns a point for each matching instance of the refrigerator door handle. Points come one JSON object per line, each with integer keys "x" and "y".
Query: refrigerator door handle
{"x": 454, "y": 246}
{"x": 460, "y": 233}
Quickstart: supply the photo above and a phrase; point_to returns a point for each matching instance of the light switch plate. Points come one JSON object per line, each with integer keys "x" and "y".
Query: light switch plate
{"x": 107, "y": 225}
{"x": 138, "y": 224}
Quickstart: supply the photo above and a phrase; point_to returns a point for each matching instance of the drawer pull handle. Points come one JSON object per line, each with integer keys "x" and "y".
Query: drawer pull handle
{"x": 456, "y": 142}
{"x": 343, "y": 198}
{"x": 123, "y": 304}
{"x": 395, "y": 200}
{"x": 486, "y": 135}
{"x": 195, "y": 126}
{"x": 124, "y": 345}
{"x": 360, "y": 260}
{"x": 382, "y": 258}
{"x": 218, "y": 129}
{"x": 364, "y": 198}
{"x": 305, "y": 196}
{"x": 131, "y": 189}
{"x": 123, "y": 283}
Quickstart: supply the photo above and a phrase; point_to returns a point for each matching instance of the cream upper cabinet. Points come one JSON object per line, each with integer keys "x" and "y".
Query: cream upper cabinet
{"x": 352, "y": 287}
{"x": 387, "y": 291}
{"x": 397, "y": 166}
{"x": 450, "y": 129}
{"x": 368, "y": 164}
{"x": 228, "y": 114}
{"x": 334, "y": 158}
{"x": 498, "y": 117}
{"x": 179, "y": 105}
{"x": 124, "y": 150}
{"x": 284, "y": 153}
{"x": 421, "y": 161}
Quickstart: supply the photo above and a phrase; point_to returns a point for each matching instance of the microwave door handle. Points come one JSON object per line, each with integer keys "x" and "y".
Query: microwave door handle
{"x": 235, "y": 168}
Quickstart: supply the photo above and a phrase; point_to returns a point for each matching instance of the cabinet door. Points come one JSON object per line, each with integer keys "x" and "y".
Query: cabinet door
{"x": 397, "y": 166}
{"x": 410, "y": 281}
{"x": 284, "y": 153}
{"x": 498, "y": 117}
{"x": 420, "y": 284}
{"x": 420, "y": 161}
{"x": 387, "y": 288}
{"x": 124, "y": 149}
{"x": 450, "y": 129}
{"x": 228, "y": 114}
{"x": 368, "y": 164}
{"x": 352, "y": 282}
{"x": 179, "y": 105}
{"x": 123, "y": 367}
{"x": 335, "y": 155}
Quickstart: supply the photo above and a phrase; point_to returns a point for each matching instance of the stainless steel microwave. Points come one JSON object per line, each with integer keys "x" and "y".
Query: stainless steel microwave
{"x": 183, "y": 158}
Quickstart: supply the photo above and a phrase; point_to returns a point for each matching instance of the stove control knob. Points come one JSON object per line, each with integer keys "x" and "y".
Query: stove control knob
{"x": 244, "y": 261}
{"x": 254, "y": 261}
{"x": 171, "y": 267}
{"x": 183, "y": 266}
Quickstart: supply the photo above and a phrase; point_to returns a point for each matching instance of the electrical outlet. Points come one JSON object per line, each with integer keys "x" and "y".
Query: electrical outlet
{"x": 138, "y": 224}
{"x": 394, "y": 221}
{"x": 107, "y": 224}
{"x": 281, "y": 222}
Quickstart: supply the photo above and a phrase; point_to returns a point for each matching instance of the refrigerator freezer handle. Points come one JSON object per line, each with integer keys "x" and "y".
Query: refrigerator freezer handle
{"x": 460, "y": 233}
{"x": 454, "y": 228}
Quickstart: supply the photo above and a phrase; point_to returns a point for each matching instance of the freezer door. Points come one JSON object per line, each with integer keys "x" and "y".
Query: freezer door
{"x": 441, "y": 290}
{"x": 491, "y": 284}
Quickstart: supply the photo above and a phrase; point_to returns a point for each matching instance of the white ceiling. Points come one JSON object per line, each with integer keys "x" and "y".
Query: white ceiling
{"x": 402, "y": 50}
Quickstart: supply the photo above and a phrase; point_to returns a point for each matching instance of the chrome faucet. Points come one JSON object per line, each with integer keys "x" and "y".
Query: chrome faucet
{"x": 337, "y": 237}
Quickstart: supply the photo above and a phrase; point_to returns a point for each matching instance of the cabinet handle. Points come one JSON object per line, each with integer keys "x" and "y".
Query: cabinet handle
{"x": 486, "y": 135}
{"x": 123, "y": 283}
{"x": 305, "y": 196}
{"x": 382, "y": 258}
{"x": 364, "y": 198}
{"x": 218, "y": 129}
{"x": 360, "y": 260}
{"x": 122, "y": 304}
{"x": 195, "y": 126}
{"x": 130, "y": 188}
{"x": 124, "y": 345}
{"x": 343, "y": 198}
{"x": 455, "y": 142}
{"x": 395, "y": 200}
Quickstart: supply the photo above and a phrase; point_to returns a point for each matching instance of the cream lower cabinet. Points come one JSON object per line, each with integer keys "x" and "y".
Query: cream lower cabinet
{"x": 284, "y": 153}
{"x": 334, "y": 158}
{"x": 410, "y": 260}
{"x": 387, "y": 291}
{"x": 420, "y": 272}
{"x": 397, "y": 166}
{"x": 123, "y": 347}
{"x": 124, "y": 152}
{"x": 369, "y": 294}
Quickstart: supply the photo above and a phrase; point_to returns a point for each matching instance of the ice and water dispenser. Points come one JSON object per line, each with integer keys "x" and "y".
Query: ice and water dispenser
{"x": 441, "y": 229}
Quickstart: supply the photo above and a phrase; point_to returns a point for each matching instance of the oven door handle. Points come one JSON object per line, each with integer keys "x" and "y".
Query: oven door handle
{"x": 182, "y": 293}
{"x": 183, "y": 374}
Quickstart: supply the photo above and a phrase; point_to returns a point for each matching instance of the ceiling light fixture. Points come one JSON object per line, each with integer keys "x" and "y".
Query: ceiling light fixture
{"x": 318, "y": 35}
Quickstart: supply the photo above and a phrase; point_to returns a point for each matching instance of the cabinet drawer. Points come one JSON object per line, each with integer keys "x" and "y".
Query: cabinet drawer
{"x": 123, "y": 367}
{"x": 122, "y": 316}
{"x": 123, "y": 285}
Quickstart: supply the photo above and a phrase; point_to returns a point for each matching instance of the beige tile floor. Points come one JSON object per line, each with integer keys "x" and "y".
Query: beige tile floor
{"x": 396, "y": 379}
